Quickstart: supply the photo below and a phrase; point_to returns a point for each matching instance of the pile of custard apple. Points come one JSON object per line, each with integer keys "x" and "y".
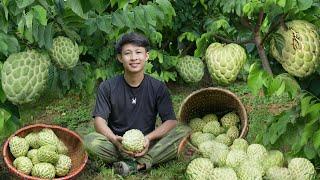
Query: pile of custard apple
{"x": 25, "y": 75}
{"x": 225, "y": 156}
{"x": 40, "y": 154}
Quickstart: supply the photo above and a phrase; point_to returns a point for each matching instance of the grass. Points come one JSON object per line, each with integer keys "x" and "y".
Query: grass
{"x": 75, "y": 114}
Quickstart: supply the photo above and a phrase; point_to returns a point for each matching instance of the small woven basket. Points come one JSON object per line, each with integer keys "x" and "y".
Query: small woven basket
{"x": 72, "y": 140}
{"x": 213, "y": 100}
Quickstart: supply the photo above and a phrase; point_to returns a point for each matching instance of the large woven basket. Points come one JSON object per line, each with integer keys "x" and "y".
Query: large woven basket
{"x": 72, "y": 140}
{"x": 213, "y": 100}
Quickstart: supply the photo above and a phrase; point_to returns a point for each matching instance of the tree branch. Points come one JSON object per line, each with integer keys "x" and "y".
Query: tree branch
{"x": 273, "y": 27}
{"x": 245, "y": 22}
{"x": 258, "y": 25}
{"x": 231, "y": 41}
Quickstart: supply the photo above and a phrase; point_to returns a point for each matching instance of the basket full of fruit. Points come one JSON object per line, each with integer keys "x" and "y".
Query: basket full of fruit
{"x": 43, "y": 151}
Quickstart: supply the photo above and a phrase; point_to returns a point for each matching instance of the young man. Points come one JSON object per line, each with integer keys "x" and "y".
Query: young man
{"x": 133, "y": 101}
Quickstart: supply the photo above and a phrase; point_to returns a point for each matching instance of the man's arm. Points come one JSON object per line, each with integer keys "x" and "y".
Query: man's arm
{"x": 162, "y": 130}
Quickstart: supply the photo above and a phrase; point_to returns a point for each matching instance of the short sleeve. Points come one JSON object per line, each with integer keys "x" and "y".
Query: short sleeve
{"x": 164, "y": 104}
{"x": 103, "y": 106}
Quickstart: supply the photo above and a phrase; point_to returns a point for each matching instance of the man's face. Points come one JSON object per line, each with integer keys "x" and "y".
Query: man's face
{"x": 133, "y": 58}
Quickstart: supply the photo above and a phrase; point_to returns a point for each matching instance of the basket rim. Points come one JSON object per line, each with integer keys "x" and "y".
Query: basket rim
{"x": 245, "y": 127}
{"x": 13, "y": 169}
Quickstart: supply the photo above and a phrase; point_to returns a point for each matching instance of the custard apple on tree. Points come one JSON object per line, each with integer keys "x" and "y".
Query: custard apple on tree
{"x": 64, "y": 52}
{"x": 24, "y": 76}
{"x": 301, "y": 168}
{"x": 18, "y": 146}
{"x": 200, "y": 168}
{"x": 44, "y": 170}
{"x": 63, "y": 165}
{"x": 133, "y": 140}
{"x": 190, "y": 68}
{"x": 23, "y": 164}
{"x": 225, "y": 61}
{"x": 298, "y": 48}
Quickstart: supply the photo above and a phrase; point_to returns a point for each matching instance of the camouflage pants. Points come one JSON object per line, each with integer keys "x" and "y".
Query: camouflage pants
{"x": 162, "y": 150}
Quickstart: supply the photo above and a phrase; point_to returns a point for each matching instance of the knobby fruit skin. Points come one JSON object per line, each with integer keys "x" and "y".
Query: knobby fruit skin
{"x": 133, "y": 140}
{"x": 300, "y": 55}
{"x": 24, "y": 76}
{"x": 190, "y": 68}
{"x": 225, "y": 61}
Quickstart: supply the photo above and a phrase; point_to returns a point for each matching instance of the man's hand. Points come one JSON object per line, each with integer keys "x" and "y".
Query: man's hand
{"x": 117, "y": 142}
{"x": 146, "y": 147}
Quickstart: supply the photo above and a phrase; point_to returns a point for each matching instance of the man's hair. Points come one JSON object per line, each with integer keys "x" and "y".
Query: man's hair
{"x": 132, "y": 38}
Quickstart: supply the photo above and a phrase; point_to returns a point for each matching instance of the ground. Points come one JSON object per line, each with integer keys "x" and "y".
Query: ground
{"x": 74, "y": 113}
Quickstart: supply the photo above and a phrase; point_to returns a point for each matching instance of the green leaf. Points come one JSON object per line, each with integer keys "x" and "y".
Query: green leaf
{"x": 40, "y": 14}
{"x": 309, "y": 151}
{"x": 304, "y": 103}
{"x": 281, "y": 3}
{"x": 304, "y": 4}
{"x": 316, "y": 139}
{"x": 255, "y": 79}
{"x": 76, "y": 7}
{"x": 29, "y": 18}
{"x": 104, "y": 23}
{"x": 308, "y": 131}
{"x": 281, "y": 89}
{"x": 279, "y": 42}
{"x": 23, "y": 3}
{"x": 117, "y": 19}
{"x": 139, "y": 18}
{"x": 48, "y": 36}
{"x": 8, "y": 44}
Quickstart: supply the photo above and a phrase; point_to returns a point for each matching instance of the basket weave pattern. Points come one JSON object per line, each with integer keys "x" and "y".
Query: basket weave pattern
{"x": 213, "y": 100}
{"x": 72, "y": 140}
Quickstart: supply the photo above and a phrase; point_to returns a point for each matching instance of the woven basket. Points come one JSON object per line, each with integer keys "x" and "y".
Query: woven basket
{"x": 74, "y": 143}
{"x": 213, "y": 100}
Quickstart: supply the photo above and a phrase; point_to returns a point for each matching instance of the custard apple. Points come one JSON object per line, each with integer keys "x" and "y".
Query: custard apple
{"x": 224, "y": 173}
{"x": 213, "y": 127}
{"x": 200, "y": 168}
{"x": 301, "y": 168}
{"x": 278, "y": 173}
{"x": 225, "y": 61}
{"x": 194, "y": 136}
{"x": 250, "y": 170}
{"x": 300, "y": 54}
{"x": 32, "y": 154}
{"x": 43, "y": 170}
{"x": 32, "y": 139}
{"x": 133, "y": 140}
{"x": 235, "y": 157}
{"x": 24, "y": 76}
{"x": 207, "y": 148}
{"x": 223, "y": 138}
{"x": 203, "y": 137}
{"x": 23, "y": 164}
{"x": 47, "y": 137}
{"x": 210, "y": 117}
{"x": 257, "y": 152}
{"x": 62, "y": 148}
{"x": 233, "y": 132}
{"x": 63, "y": 165}
{"x": 190, "y": 68}
{"x": 18, "y": 146}
{"x": 45, "y": 154}
{"x": 196, "y": 124}
{"x": 274, "y": 158}
{"x": 64, "y": 52}
{"x": 240, "y": 144}
{"x": 229, "y": 119}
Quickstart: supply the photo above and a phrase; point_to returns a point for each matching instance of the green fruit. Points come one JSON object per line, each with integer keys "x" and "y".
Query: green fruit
{"x": 43, "y": 170}
{"x": 257, "y": 152}
{"x": 190, "y": 68}
{"x": 235, "y": 157}
{"x": 225, "y": 61}
{"x": 45, "y": 154}
{"x": 32, "y": 139}
{"x": 213, "y": 127}
{"x": 194, "y": 136}
{"x": 208, "y": 148}
{"x": 301, "y": 168}
{"x": 196, "y": 124}
{"x": 200, "y": 168}
{"x": 63, "y": 165}
{"x": 233, "y": 132}
{"x": 224, "y": 173}
{"x": 300, "y": 53}
{"x": 47, "y": 137}
{"x": 23, "y": 164}
{"x": 274, "y": 158}
{"x": 32, "y": 154}
{"x": 278, "y": 173}
{"x": 64, "y": 52}
{"x": 210, "y": 117}
{"x": 133, "y": 140}
{"x": 18, "y": 146}
{"x": 250, "y": 170}
{"x": 230, "y": 119}
{"x": 239, "y": 144}
{"x": 203, "y": 137}
{"x": 24, "y": 76}
{"x": 223, "y": 138}
{"x": 62, "y": 148}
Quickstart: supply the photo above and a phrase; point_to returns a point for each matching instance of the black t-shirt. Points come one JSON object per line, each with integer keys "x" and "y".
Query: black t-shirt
{"x": 125, "y": 107}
